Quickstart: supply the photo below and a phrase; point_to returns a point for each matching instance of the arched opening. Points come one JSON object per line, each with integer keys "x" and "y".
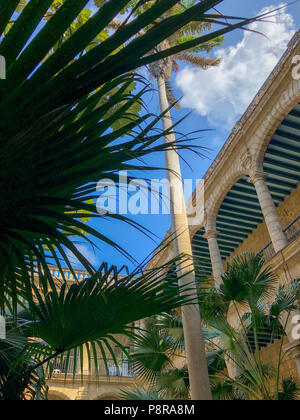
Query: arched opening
{"x": 57, "y": 396}
{"x": 171, "y": 278}
{"x": 202, "y": 263}
{"x": 238, "y": 216}
{"x": 106, "y": 397}
{"x": 240, "y": 212}
{"x": 282, "y": 157}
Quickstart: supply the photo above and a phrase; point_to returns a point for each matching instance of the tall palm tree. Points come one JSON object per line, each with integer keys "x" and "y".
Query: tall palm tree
{"x": 162, "y": 70}
{"x": 182, "y": 243}
{"x": 263, "y": 310}
{"x": 63, "y": 105}
{"x": 56, "y": 118}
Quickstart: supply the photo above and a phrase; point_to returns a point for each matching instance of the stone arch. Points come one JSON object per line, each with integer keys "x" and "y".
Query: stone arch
{"x": 194, "y": 229}
{"x": 216, "y": 199}
{"x": 57, "y": 396}
{"x": 202, "y": 252}
{"x": 106, "y": 397}
{"x": 284, "y": 105}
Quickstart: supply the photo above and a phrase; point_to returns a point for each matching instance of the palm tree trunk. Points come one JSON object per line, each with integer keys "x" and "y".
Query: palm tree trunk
{"x": 194, "y": 343}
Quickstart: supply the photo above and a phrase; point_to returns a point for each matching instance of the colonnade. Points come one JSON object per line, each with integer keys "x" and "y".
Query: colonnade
{"x": 276, "y": 232}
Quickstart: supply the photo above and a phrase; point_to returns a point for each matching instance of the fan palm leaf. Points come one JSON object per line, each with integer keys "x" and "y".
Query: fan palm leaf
{"x": 174, "y": 384}
{"x": 87, "y": 317}
{"x": 247, "y": 280}
{"x": 29, "y": 386}
{"x": 56, "y": 118}
{"x": 171, "y": 326}
{"x": 151, "y": 356}
{"x": 290, "y": 390}
{"x": 286, "y": 300}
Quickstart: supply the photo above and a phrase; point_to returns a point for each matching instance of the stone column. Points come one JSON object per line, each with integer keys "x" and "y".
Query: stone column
{"x": 86, "y": 361}
{"x": 215, "y": 255}
{"x": 191, "y": 319}
{"x": 269, "y": 210}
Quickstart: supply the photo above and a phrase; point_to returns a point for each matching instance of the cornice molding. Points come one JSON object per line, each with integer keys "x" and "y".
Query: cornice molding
{"x": 257, "y": 105}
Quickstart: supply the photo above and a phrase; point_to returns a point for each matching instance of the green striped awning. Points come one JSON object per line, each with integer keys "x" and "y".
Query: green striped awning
{"x": 240, "y": 212}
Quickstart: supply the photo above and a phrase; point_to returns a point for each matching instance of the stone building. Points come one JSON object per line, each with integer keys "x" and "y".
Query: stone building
{"x": 89, "y": 383}
{"x": 250, "y": 197}
{"x": 251, "y": 203}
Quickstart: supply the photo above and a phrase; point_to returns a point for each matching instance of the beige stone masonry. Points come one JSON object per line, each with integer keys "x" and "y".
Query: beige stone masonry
{"x": 215, "y": 255}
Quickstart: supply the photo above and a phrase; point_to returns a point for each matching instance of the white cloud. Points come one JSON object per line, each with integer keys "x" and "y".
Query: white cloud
{"x": 86, "y": 251}
{"x": 222, "y": 94}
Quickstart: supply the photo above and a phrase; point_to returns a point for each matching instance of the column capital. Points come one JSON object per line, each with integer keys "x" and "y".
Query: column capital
{"x": 257, "y": 176}
{"x": 210, "y": 233}
{"x": 210, "y": 220}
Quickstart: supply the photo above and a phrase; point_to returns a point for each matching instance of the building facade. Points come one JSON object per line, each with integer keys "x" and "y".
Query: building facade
{"x": 251, "y": 203}
{"x": 252, "y": 192}
{"x": 89, "y": 382}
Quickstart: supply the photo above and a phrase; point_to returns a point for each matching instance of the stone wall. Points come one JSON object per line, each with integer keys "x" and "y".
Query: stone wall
{"x": 87, "y": 389}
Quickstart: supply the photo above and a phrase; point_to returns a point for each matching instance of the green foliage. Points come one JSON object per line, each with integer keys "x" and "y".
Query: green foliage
{"x": 262, "y": 313}
{"x": 70, "y": 318}
{"x": 247, "y": 281}
{"x": 21, "y": 6}
{"x": 154, "y": 354}
{"x": 174, "y": 384}
{"x": 151, "y": 354}
{"x": 137, "y": 394}
{"x": 261, "y": 319}
{"x": 290, "y": 390}
{"x": 12, "y": 368}
{"x": 56, "y": 118}
{"x": 187, "y": 33}
{"x": 68, "y": 118}
{"x": 223, "y": 391}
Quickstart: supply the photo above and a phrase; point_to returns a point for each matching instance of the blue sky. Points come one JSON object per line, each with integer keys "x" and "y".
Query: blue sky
{"x": 216, "y": 100}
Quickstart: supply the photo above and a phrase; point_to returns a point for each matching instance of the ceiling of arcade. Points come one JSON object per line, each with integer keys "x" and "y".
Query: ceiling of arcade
{"x": 239, "y": 214}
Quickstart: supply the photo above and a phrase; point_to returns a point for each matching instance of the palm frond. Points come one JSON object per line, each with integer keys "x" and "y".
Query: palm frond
{"x": 247, "y": 280}
{"x": 62, "y": 99}
{"x": 174, "y": 384}
{"x": 14, "y": 384}
{"x": 286, "y": 300}
{"x": 290, "y": 390}
{"x": 150, "y": 356}
{"x": 67, "y": 320}
{"x": 195, "y": 60}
